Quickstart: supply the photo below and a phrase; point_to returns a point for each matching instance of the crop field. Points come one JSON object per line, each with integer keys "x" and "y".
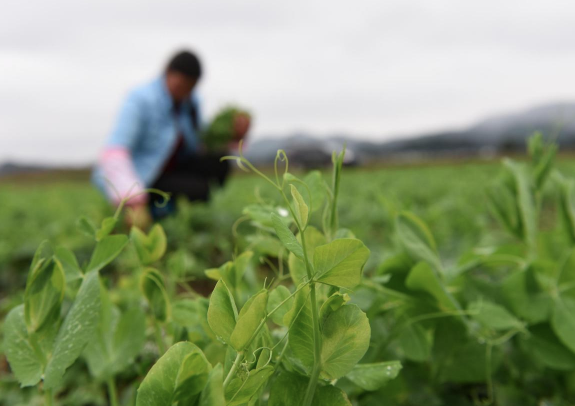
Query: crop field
{"x": 436, "y": 285}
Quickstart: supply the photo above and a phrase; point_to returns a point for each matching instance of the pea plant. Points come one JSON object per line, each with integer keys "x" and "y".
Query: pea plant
{"x": 496, "y": 327}
{"x": 289, "y": 346}
{"x": 295, "y": 338}
{"x": 301, "y": 315}
{"x": 62, "y": 312}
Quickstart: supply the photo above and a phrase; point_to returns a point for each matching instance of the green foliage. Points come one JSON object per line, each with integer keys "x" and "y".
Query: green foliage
{"x": 26, "y": 363}
{"x": 371, "y": 377}
{"x": 417, "y": 239}
{"x": 119, "y": 339}
{"x": 154, "y": 290}
{"x": 106, "y": 250}
{"x": 340, "y": 262}
{"x": 150, "y": 248}
{"x": 222, "y": 313}
{"x": 253, "y": 313}
{"x": 77, "y": 329}
{"x": 422, "y": 278}
{"x": 44, "y": 295}
{"x": 221, "y": 129}
{"x": 345, "y": 339}
{"x": 45, "y": 353}
{"x": 288, "y": 390}
{"x": 177, "y": 378}
{"x": 287, "y": 237}
{"x": 305, "y": 312}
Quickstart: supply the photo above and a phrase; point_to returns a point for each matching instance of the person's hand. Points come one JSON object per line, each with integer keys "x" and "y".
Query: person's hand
{"x": 241, "y": 126}
{"x": 139, "y": 216}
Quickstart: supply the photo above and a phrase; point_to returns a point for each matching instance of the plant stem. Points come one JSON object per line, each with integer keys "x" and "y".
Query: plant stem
{"x": 315, "y": 314}
{"x": 489, "y": 377}
{"x": 159, "y": 339}
{"x": 112, "y": 392}
{"x": 234, "y": 368}
{"x": 48, "y": 400}
{"x": 316, "y": 350}
{"x": 279, "y": 360}
{"x": 316, "y": 333}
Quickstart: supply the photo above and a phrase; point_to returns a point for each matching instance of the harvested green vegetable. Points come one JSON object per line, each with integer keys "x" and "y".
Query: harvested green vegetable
{"x": 221, "y": 130}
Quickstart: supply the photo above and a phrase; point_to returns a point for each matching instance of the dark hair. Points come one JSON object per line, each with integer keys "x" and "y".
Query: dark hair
{"x": 186, "y": 63}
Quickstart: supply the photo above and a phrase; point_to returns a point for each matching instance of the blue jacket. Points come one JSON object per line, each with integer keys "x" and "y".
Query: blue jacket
{"x": 147, "y": 130}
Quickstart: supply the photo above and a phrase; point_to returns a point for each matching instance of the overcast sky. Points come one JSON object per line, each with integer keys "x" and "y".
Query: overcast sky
{"x": 373, "y": 69}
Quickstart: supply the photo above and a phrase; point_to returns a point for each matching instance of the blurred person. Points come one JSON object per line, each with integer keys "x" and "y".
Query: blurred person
{"x": 157, "y": 143}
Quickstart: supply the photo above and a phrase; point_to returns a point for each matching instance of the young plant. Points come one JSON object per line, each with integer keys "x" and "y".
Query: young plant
{"x": 308, "y": 336}
{"x": 41, "y": 342}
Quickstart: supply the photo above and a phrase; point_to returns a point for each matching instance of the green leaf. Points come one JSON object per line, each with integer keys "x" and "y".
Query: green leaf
{"x": 286, "y": 236}
{"x": 222, "y": 312}
{"x": 344, "y": 233}
{"x": 150, "y": 248}
{"x": 176, "y": 376}
{"x": 416, "y": 239}
{"x": 345, "y": 339}
{"x": 213, "y": 394}
{"x": 241, "y": 264}
{"x": 231, "y": 272}
{"x": 301, "y": 330}
{"x": 240, "y": 391}
{"x": 192, "y": 315}
{"x": 565, "y": 276}
{"x": 542, "y": 156}
{"x": 563, "y": 321}
{"x": 457, "y": 357}
{"x": 340, "y": 262}
{"x": 493, "y": 316}
{"x": 422, "y": 278}
{"x": 525, "y": 297}
{"x": 153, "y": 287}
{"x": 277, "y": 296}
{"x": 333, "y": 303}
{"x": 87, "y": 227}
{"x": 69, "y": 264}
{"x": 120, "y": 338}
{"x": 76, "y": 330}
{"x": 316, "y": 186}
{"x": 213, "y": 273}
{"x": 415, "y": 342}
{"x": 260, "y": 215}
{"x": 289, "y": 390}
{"x": 223, "y": 272}
{"x": 301, "y": 208}
{"x": 313, "y": 239}
{"x": 250, "y": 317}
{"x": 371, "y": 377}
{"x": 44, "y": 295}
{"x": 468, "y": 364}
{"x": 290, "y": 177}
{"x": 106, "y": 228}
{"x": 128, "y": 338}
{"x": 106, "y": 251}
{"x": 192, "y": 377}
{"x": 266, "y": 245}
{"x": 543, "y": 345}
{"x": 24, "y": 362}
{"x": 567, "y": 206}
{"x": 504, "y": 207}
{"x": 525, "y": 201}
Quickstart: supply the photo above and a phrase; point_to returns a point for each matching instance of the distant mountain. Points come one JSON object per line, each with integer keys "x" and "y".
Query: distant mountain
{"x": 12, "y": 168}
{"x": 502, "y": 133}
{"x": 493, "y": 135}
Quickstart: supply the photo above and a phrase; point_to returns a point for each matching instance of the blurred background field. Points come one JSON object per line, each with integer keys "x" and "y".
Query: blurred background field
{"x": 450, "y": 196}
